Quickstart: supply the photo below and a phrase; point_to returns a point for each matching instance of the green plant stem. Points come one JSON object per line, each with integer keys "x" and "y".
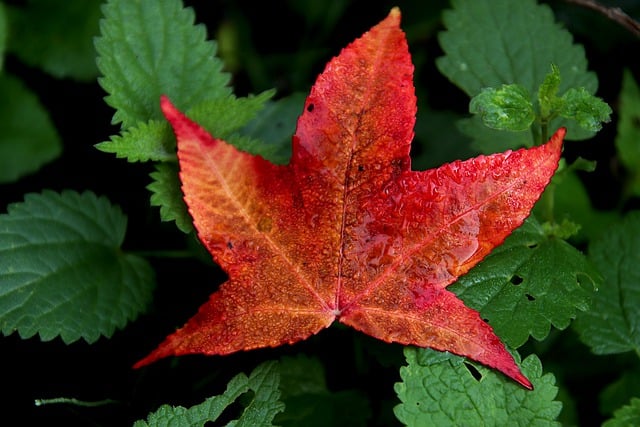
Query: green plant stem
{"x": 73, "y": 401}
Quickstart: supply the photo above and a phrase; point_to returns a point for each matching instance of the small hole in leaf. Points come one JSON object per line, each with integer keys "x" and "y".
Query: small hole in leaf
{"x": 485, "y": 320}
{"x": 229, "y": 244}
{"x": 532, "y": 245}
{"x": 360, "y": 168}
{"x": 530, "y": 297}
{"x": 516, "y": 280}
{"x": 473, "y": 371}
{"x": 310, "y": 107}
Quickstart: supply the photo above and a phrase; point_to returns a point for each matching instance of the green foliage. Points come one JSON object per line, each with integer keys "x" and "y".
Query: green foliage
{"x": 626, "y": 416}
{"x": 28, "y": 139}
{"x": 445, "y": 390}
{"x": 310, "y": 403}
{"x": 505, "y": 108}
{"x": 167, "y": 195}
{"x": 613, "y": 325}
{"x": 59, "y": 40}
{"x": 496, "y": 58}
{"x": 146, "y": 141}
{"x": 618, "y": 393}
{"x": 62, "y": 272}
{"x": 529, "y": 283}
{"x": 259, "y": 410}
{"x": 628, "y": 137}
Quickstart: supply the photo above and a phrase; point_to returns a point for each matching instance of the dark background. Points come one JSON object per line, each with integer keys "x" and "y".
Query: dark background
{"x": 33, "y": 370}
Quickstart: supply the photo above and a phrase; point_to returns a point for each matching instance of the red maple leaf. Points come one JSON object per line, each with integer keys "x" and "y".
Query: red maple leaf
{"x": 347, "y": 231}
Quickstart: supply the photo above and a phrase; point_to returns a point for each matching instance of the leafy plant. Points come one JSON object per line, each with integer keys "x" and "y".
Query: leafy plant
{"x": 74, "y": 268}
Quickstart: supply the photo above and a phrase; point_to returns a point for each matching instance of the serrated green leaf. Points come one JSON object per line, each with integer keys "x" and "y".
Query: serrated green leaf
{"x": 167, "y": 194}
{"x": 62, "y": 272}
{"x": 493, "y": 42}
{"x": 259, "y": 410}
{"x": 28, "y": 139}
{"x": 619, "y": 392}
{"x": 548, "y": 92}
{"x": 146, "y": 141}
{"x": 57, "y": 39}
{"x": 613, "y": 323}
{"x": 627, "y": 416}
{"x": 529, "y": 283}
{"x": 505, "y": 108}
{"x": 148, "y": 48}
{"x": 309, "y": 402}
{"x": 628, "y": 136}
{"x": 588, "y": 110}
{"x": 442, "y": 391}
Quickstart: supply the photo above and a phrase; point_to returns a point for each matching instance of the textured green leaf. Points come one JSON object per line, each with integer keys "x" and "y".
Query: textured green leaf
{"x": 57, "y": 39}
{"x": 588, "y": 110}
{"x": 529, "y": 283}
{"x": 309, "y": 402}
{"x": 613, "y": 323}
{"x": 28, "y": 139}
{"x": 146, "y": 141}
{"x": 505, "y": 108}
{"x": 627, "y": 416}
{"x": 259, "y": 410}
{"x": 166, "y": 193}
{"x": 628, "y": 137}
{"x": 148, "y": 48}
{"x": 441, "y": 389}
{"x": 493, "y": 42}
{"x": 548, "y": 92}
{"x": 62, "y": 272}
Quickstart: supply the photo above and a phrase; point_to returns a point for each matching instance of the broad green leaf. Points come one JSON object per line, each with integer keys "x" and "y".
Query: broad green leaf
{"x": 613, "y": 323}
{"x": 28, "y": 139}
{"x": 148, "y": 48}
{"x": 489, "y": 141}
{"x": 619, "y": 392}
{"x": 62, "y": 272}
{"x": 627, "y": 416}
{"x": 505, "y": 108}
{"x": 488, "y": 43}
{"x": 529, "y": 283}
{"x": 166, "y": 194}
{"x": 57, "y": 39}
{"x": 309, "y": 402}
{"x": 628, "y": 136}
{"x": 441, "y": 389}
{"x": 146, "y": 141}
{"x": 259, "y": 411}
{"x": 588, "y": 110}
{"x": 275, "y": 124}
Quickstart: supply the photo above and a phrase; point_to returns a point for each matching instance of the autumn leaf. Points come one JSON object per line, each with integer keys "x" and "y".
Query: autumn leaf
{"x": 347, "y": 231}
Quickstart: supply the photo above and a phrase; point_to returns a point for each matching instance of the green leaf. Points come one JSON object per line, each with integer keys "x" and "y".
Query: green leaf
{"x": 442, "y": 389}
{"x": 146, "y": 141}
{"x": 148, "y": 48}
{"x": 588, "y": 110}
{"x": 529, "y": 283}
{"x": 493, "y": 42}
{"x": 628, "y": 136}
{"x": 62, "y": 272}
{"x": 167, "y": 194}
{"x": 505, "y": 108}
{"x": 57, "y": 39}
{"x": 28, "y": 139}
{"x": 619, "y": 392}
{"x": 626, "y": 416}
{"x": 613, "y": 323}
{"x": 275, "y": 124}
{"x": 488, "y": 141}
{"x": 309, "y": 402}
{"x": 548, "y": 92}
{"x": 259, "y": 411}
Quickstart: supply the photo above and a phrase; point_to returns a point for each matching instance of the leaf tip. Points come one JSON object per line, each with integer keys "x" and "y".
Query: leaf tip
{"x": 522, "y": 380}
